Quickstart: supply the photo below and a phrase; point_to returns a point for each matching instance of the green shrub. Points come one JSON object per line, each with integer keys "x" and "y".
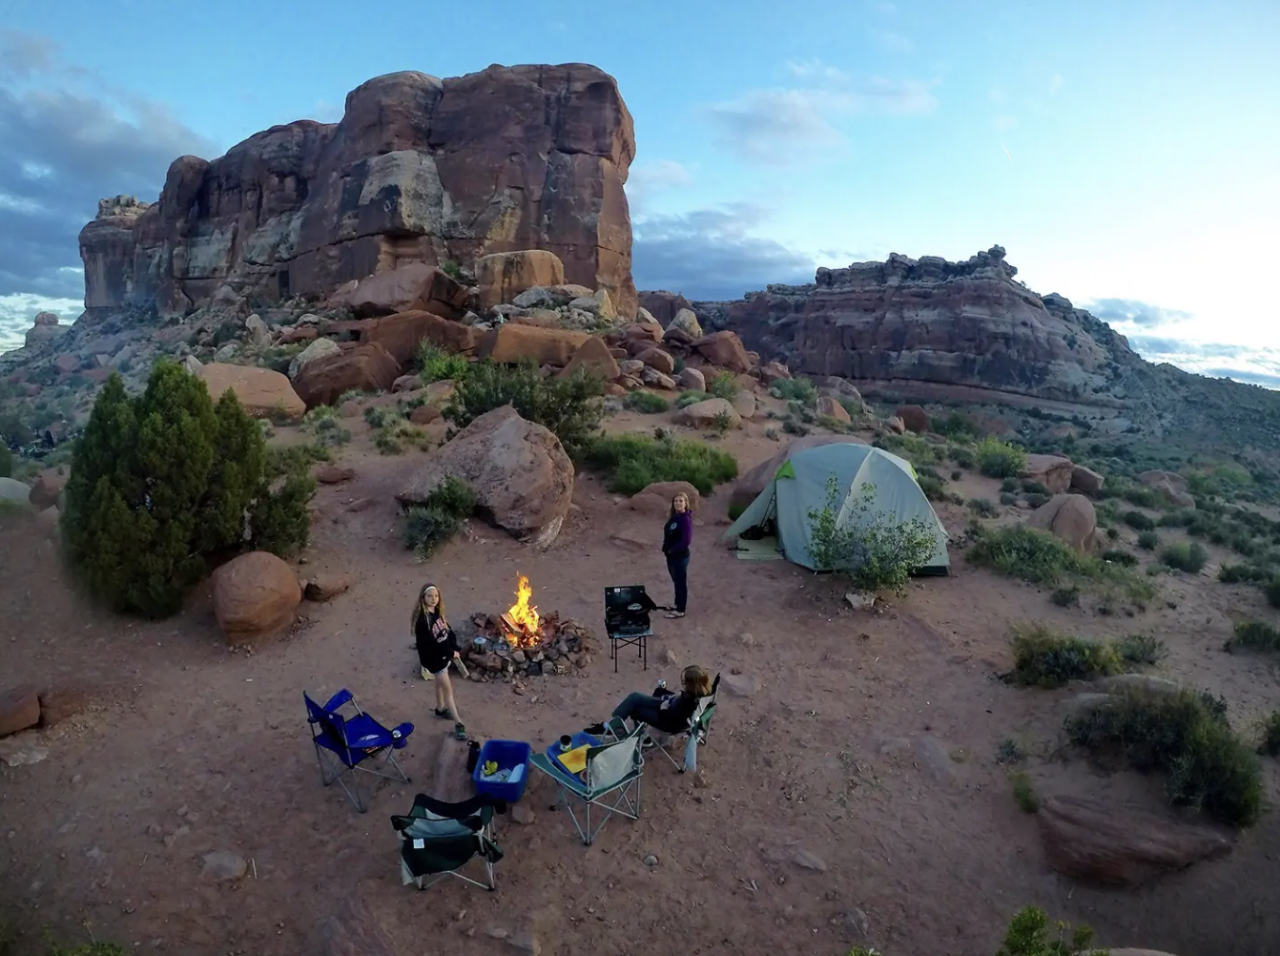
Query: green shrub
{"x": 437, "y": 519}
{"x": 1043, "y": 658}
{"x": 14, "y": 429}
{"x": 392, "y": 438}
{"x": 792, "y": 427}
{"x": 1139, "y": 521}
{"x": 934, "y": 488}
{"x": 1120, "y": 557}
{"x": 983, "y": 508}
{"x": 142, "y": 519}
{"x": 1270, "y": 728}
{"x": 646, "y": 402}
{"x": 570, "y": 407}
{"x": 957, "y": 425}
{"x": 1009, "y": 486}
{"x": 1141, "y": 649}
{"x": 1033, "y": 487}
{"x": 724, "y": 385}
{"x": 452, "y": 270}
{"x": 1026, "y": 553}
{"x": 1024, "y": 794}
{"x": 636, "y": 461}
{"x": 1148, "y": 540}
{"x": 1244, "y": 574}
{"x": 853, "y": 406}
{"x": 1185, "y": 735}
{"x": 1035, "y": 500}
{"x": 1008, "y": 500}
{"x": 800, "y": 390}
{"x": 1254, "y": 636}
{"x": 1068, "y": 596}
{"x": 1112, "y": 534}
{"x": 1185, "y": 557}
{"x": 437, "y": 365}
{"x": 1029, "y": 934}
{"x": 685, "y": 399}
{"x": 1272, "y": 590}
{"x": 873, "y": 549}
{"x": 378, "y": 416}
{"x": 999, "y": 459}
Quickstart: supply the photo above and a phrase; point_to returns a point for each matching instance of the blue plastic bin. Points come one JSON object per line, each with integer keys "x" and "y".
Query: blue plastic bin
{"x": 508, "y": 754}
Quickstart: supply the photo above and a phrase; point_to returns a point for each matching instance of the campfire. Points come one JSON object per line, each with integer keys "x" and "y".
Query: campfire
{"x": 522, "y": 624}
{"x": 523, "y": 642}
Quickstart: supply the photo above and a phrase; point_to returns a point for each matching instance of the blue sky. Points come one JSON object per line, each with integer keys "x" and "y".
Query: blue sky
{"x": 1124, "y": 153}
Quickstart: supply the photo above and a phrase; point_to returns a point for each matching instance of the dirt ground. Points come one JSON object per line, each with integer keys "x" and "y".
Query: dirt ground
{"x": 870, "y": 744}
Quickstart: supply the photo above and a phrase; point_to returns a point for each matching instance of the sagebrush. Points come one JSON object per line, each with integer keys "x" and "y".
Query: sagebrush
{"x": 432, "y": 523}
{"x": 633, "y": 462}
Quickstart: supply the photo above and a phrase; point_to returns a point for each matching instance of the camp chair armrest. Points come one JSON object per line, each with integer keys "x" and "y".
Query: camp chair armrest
{"x": 337, "y": 700}
{"x": 400, "y": 735}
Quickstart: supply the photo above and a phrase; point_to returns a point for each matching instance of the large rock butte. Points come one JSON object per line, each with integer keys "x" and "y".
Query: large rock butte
{"x": 419, "y": 170}
{"x": 932, "y": 323}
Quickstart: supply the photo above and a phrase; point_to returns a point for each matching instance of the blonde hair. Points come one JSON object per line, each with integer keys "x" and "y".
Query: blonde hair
{"x": 688, "y": 502}
{"x": 422, "y": 597}
{"x": 696, "y": 681}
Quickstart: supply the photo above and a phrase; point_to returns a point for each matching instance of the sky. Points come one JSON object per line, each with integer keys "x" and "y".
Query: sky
{"x": 1125, "y": 154}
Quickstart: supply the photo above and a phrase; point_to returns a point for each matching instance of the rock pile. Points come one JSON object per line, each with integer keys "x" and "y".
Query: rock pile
{"x": 565, "y": 646}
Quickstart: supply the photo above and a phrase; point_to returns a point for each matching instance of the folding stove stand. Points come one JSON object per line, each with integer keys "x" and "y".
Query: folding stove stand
{"x": 628, "y": 600}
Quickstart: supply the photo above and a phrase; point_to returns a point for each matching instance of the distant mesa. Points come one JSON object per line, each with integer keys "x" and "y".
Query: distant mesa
{"x": 419, "y": 169}
{"x": 942, "y": 326}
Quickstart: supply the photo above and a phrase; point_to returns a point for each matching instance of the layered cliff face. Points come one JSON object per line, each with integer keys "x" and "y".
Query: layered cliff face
{"x": 931, "y": 321}
{"x": 418, "y": 170}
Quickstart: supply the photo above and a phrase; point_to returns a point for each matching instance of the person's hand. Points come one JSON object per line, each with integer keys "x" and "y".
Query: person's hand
{"x": 457, "y": 655}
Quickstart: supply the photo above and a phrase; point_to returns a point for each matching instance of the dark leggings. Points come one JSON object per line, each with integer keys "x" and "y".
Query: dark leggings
{"x": 679, "y": 570}
{"x": 640, "y": 707}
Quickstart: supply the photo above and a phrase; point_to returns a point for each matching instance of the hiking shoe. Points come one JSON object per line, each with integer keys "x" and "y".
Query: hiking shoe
{"x": 459, "y": 731}
{"x": 443, "y": 713}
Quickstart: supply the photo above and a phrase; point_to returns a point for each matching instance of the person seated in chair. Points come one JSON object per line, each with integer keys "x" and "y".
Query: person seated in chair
{"x": 663, "y": 710}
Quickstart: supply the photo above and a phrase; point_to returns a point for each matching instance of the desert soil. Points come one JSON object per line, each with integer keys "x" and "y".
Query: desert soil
{"x": 852, "y": 797}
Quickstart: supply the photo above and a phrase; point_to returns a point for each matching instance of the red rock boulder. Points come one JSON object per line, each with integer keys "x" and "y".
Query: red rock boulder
{"x": 509, "y": 344}
{"x": 412, "y": 286}
{"x": 914, "y": 418}
{"x": 593, "y": 357}
{"x": 403, "y": 333}
{"x": 1052, "y": 471}
{"x": 255, "y": 597}
{"x": 723, "y": 349}
{"x": 365, "y": 368}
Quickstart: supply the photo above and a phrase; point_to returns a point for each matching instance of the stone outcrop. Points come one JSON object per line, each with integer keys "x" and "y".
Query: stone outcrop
{"x": 518, "y": 470}
{"x": 1119, "y": 845}
{"x": 263, "y": 393}
{"x": 419, "y": 170}
{"x": 44, "y": 329}
{"x": 931, "y": 321}
{"x": 365, "y": 368}
{"x": 1070, "y": 518}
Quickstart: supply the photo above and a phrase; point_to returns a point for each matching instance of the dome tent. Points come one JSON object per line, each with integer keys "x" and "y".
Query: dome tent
{"x": 800, "y": 485}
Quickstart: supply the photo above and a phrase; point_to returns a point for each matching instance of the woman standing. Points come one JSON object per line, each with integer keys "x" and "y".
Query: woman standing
{"x": 437, "y": 647}
{"x": 677, "y": 536}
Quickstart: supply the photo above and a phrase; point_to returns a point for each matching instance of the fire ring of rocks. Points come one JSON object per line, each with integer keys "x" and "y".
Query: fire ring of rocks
{"x": 523, "y": 643}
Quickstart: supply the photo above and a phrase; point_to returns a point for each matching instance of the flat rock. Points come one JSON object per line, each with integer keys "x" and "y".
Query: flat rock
{"x": 326, "y": 587}
{"x": 263, "y": 393}
{"x": 22, "y": 750}
{"x": 809, "y": 861}
{"x": 1119, "y": 845}
{"x": 222, "y": 865}
{"x": 739, "y": 685}
{"x": 19, "y": 709}
{"x": 333, "y": 474}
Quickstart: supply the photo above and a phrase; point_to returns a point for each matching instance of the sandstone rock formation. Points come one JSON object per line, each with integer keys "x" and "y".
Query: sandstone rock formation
{"x": 709, "y": 413}
{"x": 365, "y": 368}
{"x": 419, "y": 170}
{"x": 931, "y": 321}
{"x": 1119, "y": 845}
{"x": 255, "y": 597}
{"x": 45, "y": 329}
{"x": 1052, "y": 471}
{"x": 1070, "y": 518}
{"x": 518, "y": 470}
{"x": 262, "y": 392}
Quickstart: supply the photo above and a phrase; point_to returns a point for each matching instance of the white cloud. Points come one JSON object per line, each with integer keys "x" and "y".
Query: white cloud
{"x": 649, "y": 178}
{"x": 893, "y": 42}
{"x": 782, "y": 126}
{"x": 18, "y": 311}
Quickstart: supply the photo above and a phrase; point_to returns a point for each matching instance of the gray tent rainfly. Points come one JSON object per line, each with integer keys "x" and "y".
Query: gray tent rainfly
{"x": 800, "y": 484}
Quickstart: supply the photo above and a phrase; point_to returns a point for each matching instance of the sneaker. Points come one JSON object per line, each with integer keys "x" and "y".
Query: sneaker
{"x": 459, "y": 731}
{"x": 443, "y": 713}
{"x": 673, "y": 615}
{"x": 595, "y": 730}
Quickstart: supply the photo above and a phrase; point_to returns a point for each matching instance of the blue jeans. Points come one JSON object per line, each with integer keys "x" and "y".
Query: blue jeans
{"x": 640, "y": 707}
{"x": 678, "y": 568}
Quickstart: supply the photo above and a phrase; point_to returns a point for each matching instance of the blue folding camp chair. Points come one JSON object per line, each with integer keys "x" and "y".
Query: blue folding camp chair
{"x": 348, "y": 742}
{"x": 610, "y": 782}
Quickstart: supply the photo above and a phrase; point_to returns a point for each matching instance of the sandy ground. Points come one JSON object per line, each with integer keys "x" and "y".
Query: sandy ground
{"x": 869, "y": 744}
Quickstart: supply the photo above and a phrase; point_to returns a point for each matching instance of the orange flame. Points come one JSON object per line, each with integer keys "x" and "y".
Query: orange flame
{"x": 522, "y": 613}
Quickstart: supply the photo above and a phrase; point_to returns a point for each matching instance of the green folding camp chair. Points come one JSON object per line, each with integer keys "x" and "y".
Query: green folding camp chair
{"x": 609, "y": 783}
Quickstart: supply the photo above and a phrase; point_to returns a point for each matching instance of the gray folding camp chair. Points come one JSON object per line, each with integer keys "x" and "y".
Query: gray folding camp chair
{"x": 610, "y": 782}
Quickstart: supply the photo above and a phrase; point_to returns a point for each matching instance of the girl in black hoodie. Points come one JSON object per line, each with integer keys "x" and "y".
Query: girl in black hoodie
{"x": 437, "y": 647}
